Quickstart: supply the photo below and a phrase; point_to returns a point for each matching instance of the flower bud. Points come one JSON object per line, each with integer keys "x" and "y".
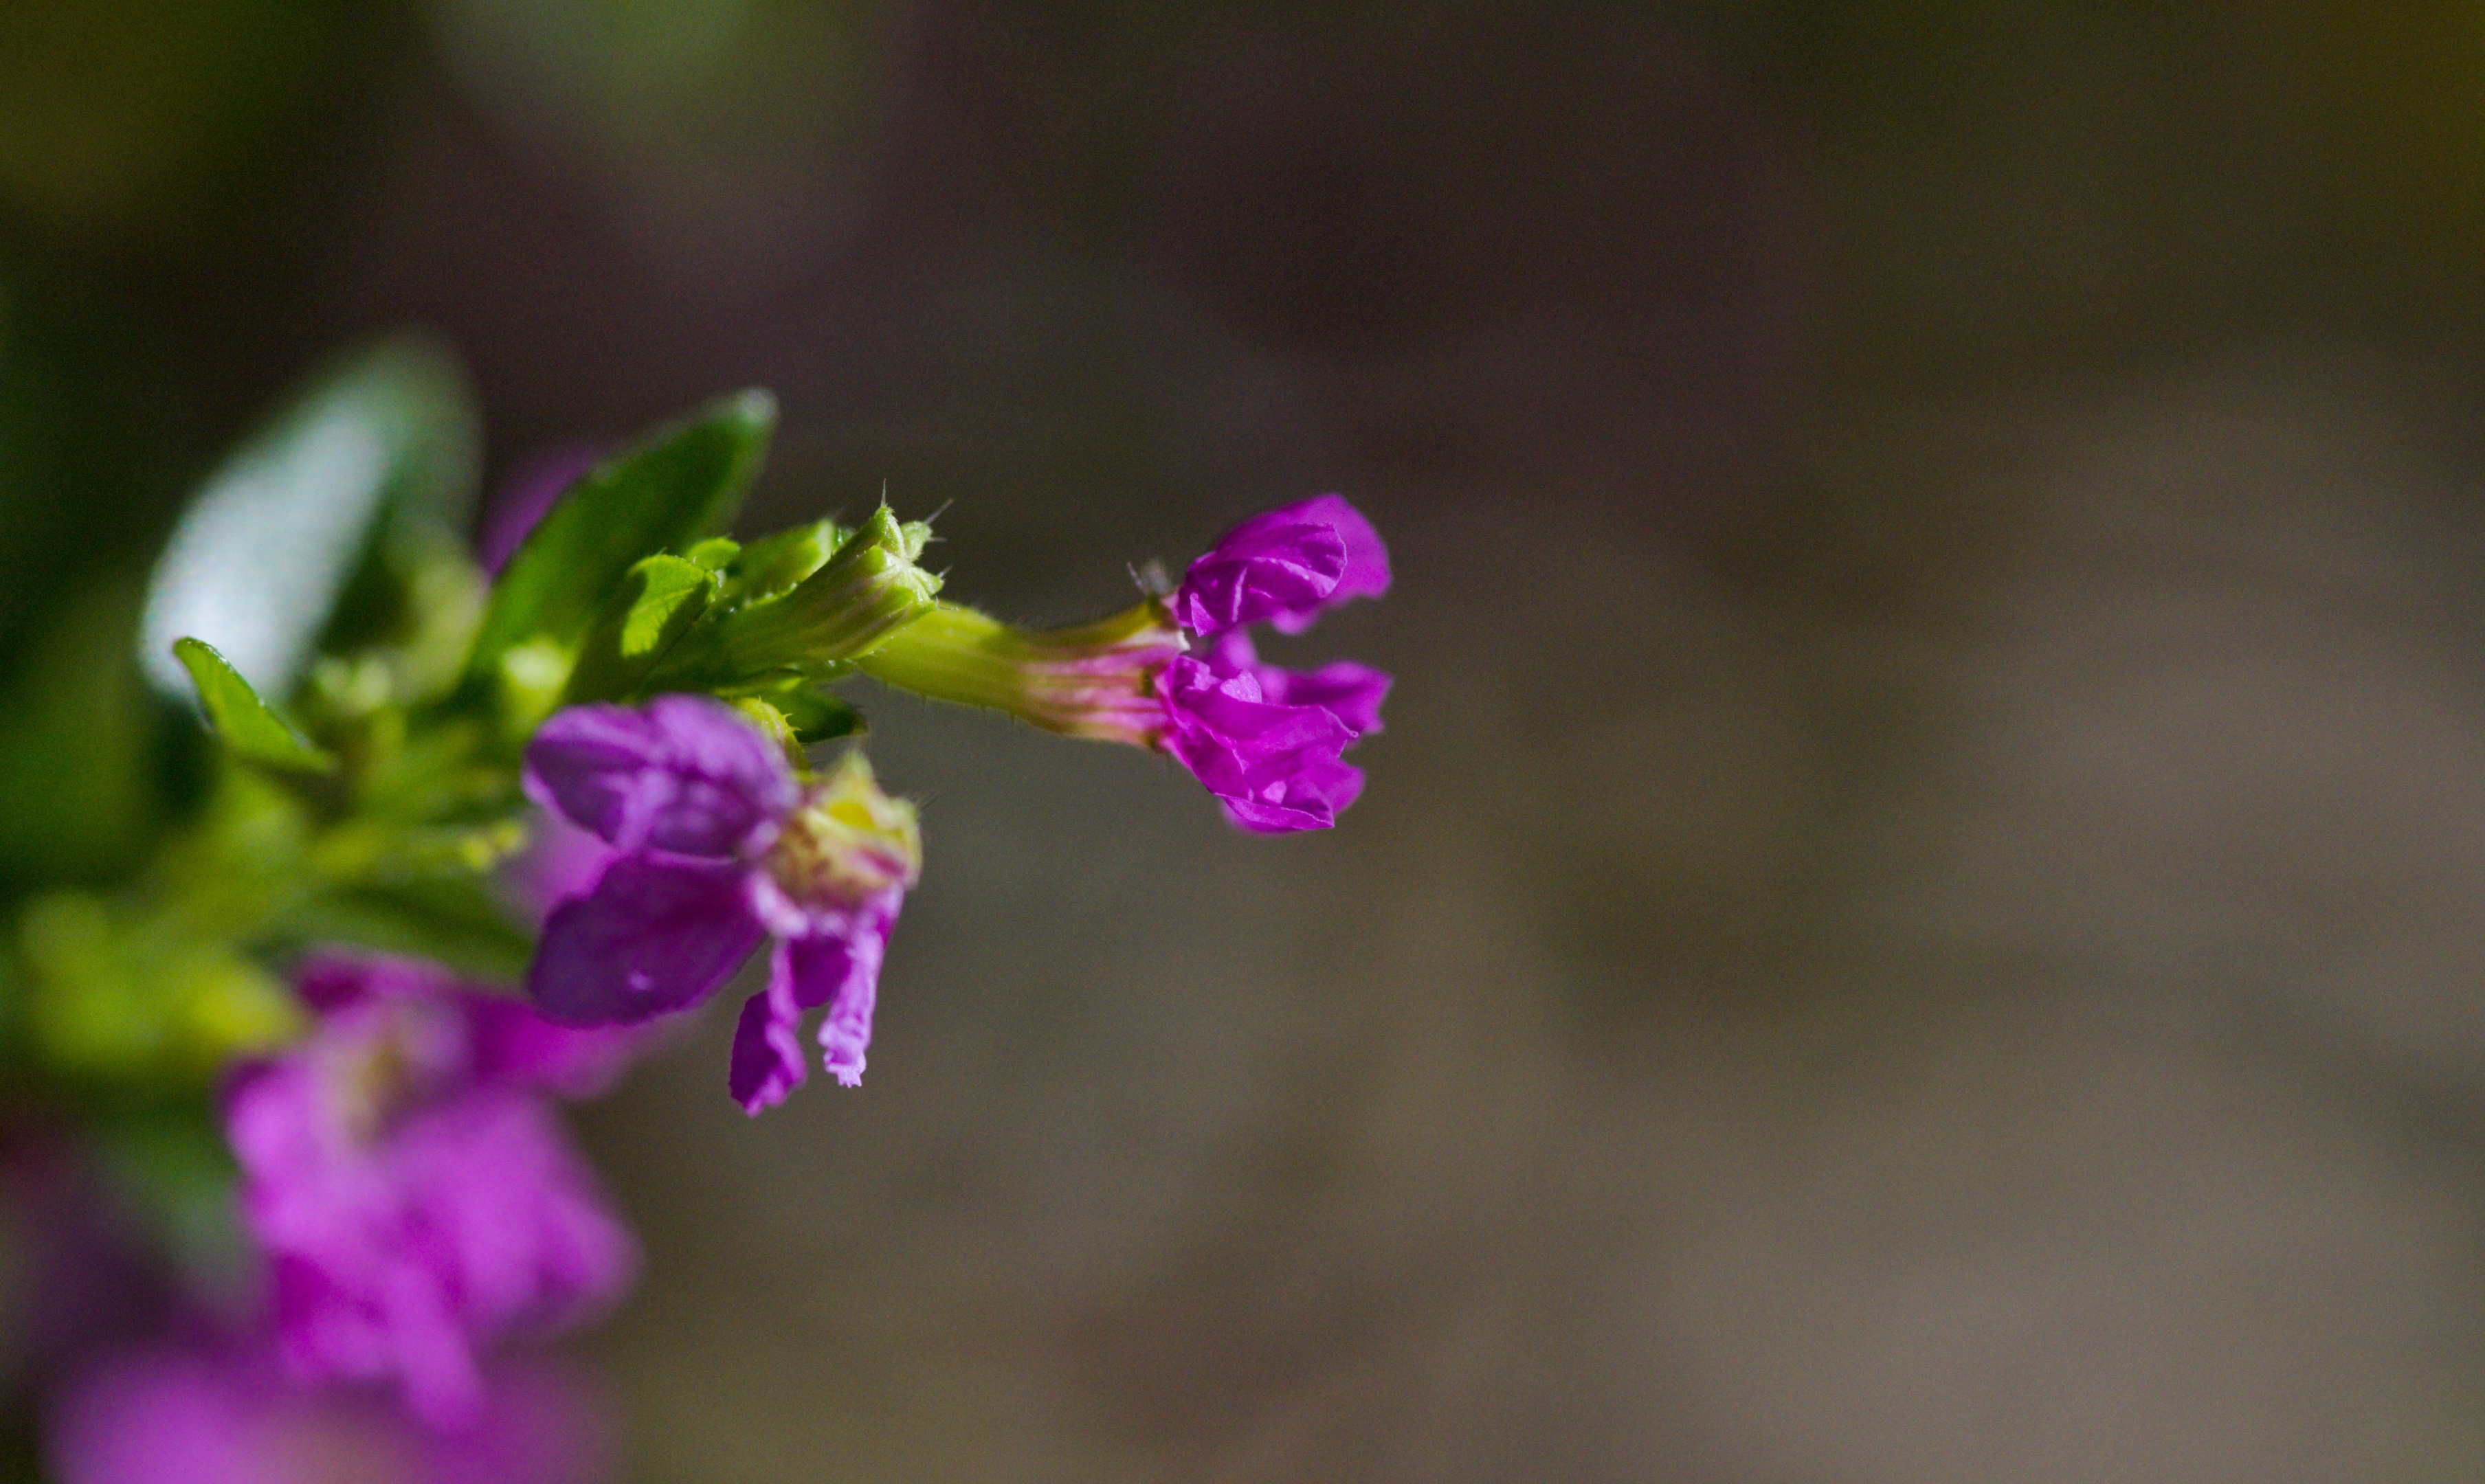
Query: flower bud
{"x": 816, "y": 627}
{"x": 1094, "y": 679}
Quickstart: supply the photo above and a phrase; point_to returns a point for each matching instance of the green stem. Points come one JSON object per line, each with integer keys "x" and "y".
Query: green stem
{"x": 1092, "y": 680}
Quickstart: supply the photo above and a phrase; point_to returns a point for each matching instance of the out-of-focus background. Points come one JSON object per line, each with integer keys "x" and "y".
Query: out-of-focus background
{"x": 1921, "y": 914}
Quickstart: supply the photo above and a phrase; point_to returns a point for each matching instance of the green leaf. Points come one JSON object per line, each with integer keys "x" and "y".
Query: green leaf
{"x": 454, "y": 920}
{"x": 681, "y": 485}
{"x": 715, "y": 554}
{"x": 660, "y": 599}
{"x": 247, "y": 724}
{"x": 385, "y": 437}
{"x": 771, "y": 565}
{"x": 817, "y": 717}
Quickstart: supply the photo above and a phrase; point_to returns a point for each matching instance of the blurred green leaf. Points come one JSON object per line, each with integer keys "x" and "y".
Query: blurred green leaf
{"x": 85, "y": 1010}
{"x": 715, "y": 553}
{"x": 454, "y": 920}
{"x": 681, "y": 485}
{"x": 662, "y": 597}
{"x": 110, "y": 1000}
{"x": 245, "y": 722}
{"x": 77, "y": 717}
{"x": 258, "y": 560}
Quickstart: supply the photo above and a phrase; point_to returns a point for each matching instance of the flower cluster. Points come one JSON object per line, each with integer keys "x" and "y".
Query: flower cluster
{"x": 413, "y": 1192}
{"x": 417, "y": 1210}
{"x": 715, "y": 843}
{"x": 596, "y": 766}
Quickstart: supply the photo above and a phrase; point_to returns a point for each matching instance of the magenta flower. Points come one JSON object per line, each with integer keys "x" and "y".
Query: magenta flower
{"x": 413, "y": 1192}
{"x": 717, "y": 846}
{"x": 1267, "y": 740}
{"x": 198, "y": 1413}
{"x": 1180, "y": 674}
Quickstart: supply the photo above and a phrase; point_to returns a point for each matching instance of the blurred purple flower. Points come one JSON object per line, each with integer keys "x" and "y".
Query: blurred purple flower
{"x": 415, "y": 1192}
{"x": 205, "y": 1414}
{"x": 526, "y": 496}
{"x": 560, "y": 861}
{"x": 1267, "y": 740}
{"x": 717, "y": 846}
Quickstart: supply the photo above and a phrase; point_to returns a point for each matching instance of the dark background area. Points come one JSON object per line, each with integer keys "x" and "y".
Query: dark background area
{"x": 1918, "y": 915}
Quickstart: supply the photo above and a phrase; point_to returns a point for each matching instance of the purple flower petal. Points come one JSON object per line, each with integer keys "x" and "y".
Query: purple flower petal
{"x": 656, "y": 934}
{"x": 1311, "y": 798}
{"x": 1257, "y": 571}
{"x": 1275, "y": 768}
{"x": 1351, "y": 693}
{"x": 844, "y": 971}
{"x": 398, "y": 1254}
{"x": 514, "y": 1044}
{"x": 837, "y": 968}
{"x": 767, "y": 1057}
{"x": 1283, "y": 567}
{"x": 415, "y": 1195}
{"x": 500, "y": 1040}
{"x": 329, "y": 981}
{"x": 560, "y": 861}
{"x": 200, "y": 1413}
{"x": 681, "y": 773}
{"x": 506, "y": 1196}
{"x": 1348, "y": 691}
{"x": 1367, "y": 559}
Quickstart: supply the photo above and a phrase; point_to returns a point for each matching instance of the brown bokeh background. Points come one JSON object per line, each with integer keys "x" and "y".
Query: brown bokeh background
{"x": 1921, "y": 914}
